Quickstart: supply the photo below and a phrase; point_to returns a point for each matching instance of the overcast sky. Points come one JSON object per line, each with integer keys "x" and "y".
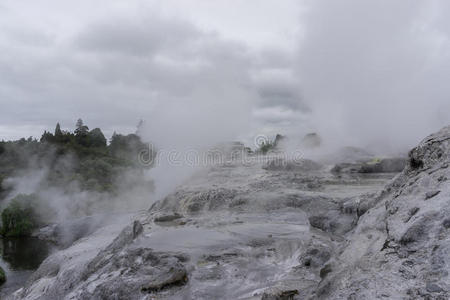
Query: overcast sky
{"x": 362, "y": 72}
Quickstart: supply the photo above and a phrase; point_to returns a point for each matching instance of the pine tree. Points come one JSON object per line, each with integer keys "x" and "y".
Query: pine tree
{"x": 58, "y": 132}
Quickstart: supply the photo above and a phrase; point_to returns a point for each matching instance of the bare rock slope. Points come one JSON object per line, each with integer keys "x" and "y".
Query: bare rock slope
{"x": 400, "y": 248}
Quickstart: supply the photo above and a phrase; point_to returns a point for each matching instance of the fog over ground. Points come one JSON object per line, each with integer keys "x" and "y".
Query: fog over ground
{"x": 363, "y": 73}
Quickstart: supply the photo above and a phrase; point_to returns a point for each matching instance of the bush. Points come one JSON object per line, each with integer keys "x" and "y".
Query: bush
{"x": 18, "y": 218}
{"x": 2, "y": 276}
{"x": 266, "y": 147}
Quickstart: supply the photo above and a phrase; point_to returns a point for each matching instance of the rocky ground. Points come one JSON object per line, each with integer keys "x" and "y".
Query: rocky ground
{"x": 400, "y": 248}
{"x": 274, "y": 230}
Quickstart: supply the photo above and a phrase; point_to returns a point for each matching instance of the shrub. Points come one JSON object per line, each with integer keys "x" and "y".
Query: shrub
{"x": 19, "y": 218}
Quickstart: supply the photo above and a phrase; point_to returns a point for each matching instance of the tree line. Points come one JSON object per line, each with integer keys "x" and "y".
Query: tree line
{"x": 81, "y": 160}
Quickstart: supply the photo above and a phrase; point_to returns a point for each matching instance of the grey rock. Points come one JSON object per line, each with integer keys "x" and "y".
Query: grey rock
{"x": 413, "y": 211}
{"x": 278, "y": 293}
{"x": 67, "y": 232}
{"x": 368, "y": 266}
{"x": 167, "y": 217}
{"x": 446, "y": 223}
{"x": 385, "y": 165}
{"x": 414, "y": 233}
{"x": 346, "y": 168}
{"x": 433, "y": 288}
{"x": 133, "y": 271}
{"x": 325, "y": 270}
{"x": 137, "y": 229}
{"x": 334, "y": 223}
{"x": 301, "y": 165}
{"x": 320, "y": 222}
{"x": 248, "y": 236}
{"x": 316, "y": 256}
{"x": 431, "y": 194}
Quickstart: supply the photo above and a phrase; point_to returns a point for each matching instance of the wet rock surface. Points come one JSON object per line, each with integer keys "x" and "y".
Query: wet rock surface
{"x": 127, "y": 270}
{"x": 257, "y": 232}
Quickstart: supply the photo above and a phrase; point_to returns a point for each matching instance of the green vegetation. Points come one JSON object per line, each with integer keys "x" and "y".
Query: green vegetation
{"x": 82, "y": 156}
{"x": 19, "y": 217}
{"x": 266, "y": 147}
{"x": 1, "y": 185}
{"x": 2, "y": 276}
{"x": 74, "y": 161}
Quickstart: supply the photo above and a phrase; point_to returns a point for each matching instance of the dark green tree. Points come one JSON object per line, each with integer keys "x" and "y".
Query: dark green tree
{"x": 47, "y": 137}
{"x": 127, "y": 147}
{"x": 81, "y": 133}
{"x": 58, "y": 131}
{"x": 59, "y": 137}
{"x": 96, "y": 138}
{"x": 81, "y": 129}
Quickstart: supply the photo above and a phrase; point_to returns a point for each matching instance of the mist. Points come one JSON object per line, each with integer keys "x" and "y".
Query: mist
{"x": 374, "y": 72}
{"x": 59, "y": 202}
{"x": 367, "y": 74}
{"x": 245, "y": 149}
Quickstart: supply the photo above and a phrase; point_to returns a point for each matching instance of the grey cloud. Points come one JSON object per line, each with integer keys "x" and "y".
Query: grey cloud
{"x": 280, "y": 105}
{"x": 113, "y": 73}
{"x": 141, "y": 36}
{"x": 363, "y": 72}
{"x": 159, "y": 54}
{"x": 29, "y": 37}
{"x": 281, "y": 95}
{"x": 274, "y": 58}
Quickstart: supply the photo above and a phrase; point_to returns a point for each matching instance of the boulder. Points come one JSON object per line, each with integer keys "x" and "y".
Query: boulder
{"x": 131, "y": 273}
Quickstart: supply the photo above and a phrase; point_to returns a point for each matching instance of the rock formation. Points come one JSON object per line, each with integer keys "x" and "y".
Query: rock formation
{"x": 259, "y": 231}
{"x": 400, "y": 248}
